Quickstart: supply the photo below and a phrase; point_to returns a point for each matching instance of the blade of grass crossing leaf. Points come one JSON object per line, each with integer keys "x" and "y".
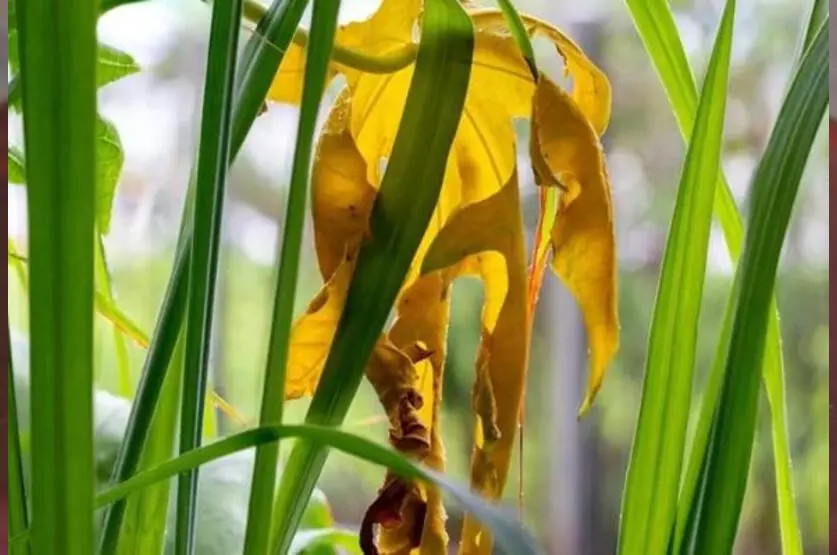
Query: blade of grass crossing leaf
{"x": 18, "y": 516}
{"x": 58, "y": 81}
{"x": 258, "y": 66}
{"x": 510, "y": 536}
{"x": 518, "y": 31}
{"x": 773, "y": 193}
{"x": 650, "y": 498}
{"x": 408, "y": 194}
{"x": 323, "y": 27}
{"x": 655, "y": 24}
{"x": 260, "y": 62}
{"x": 210, "y": 180}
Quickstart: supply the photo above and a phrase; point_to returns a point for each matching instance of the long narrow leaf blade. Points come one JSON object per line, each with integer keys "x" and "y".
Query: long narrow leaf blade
{"x": 655, "y": 24}
{"x": 509, "y": 534}
{"x": 58, "y": 84}
{"x": 211, "y": 174}
{"x": 774, "y": 190}
{"x": 256, "y": 70}
{"x": 323, "y": 27}
{"x": 408, "y": 194}
{"x": 650, "y": 499}
{"x": 774, "y": 385}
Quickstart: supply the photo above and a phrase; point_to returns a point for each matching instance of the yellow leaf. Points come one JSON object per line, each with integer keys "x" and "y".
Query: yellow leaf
{"x": 584, "y": 251}
{"x": 341, "y": 196}
{"x": 591, "y": 89}
{"x": 312, "y": 334}
{"x": 490, "y": 233}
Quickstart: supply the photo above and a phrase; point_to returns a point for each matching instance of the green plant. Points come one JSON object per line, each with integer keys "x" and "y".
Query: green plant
{"x": 389, "y": 238}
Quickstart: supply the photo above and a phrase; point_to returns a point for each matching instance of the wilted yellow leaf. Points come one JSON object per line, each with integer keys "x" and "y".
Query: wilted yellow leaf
{"x": 491, "y": 232}
{"x": 582, "y": 238}
{"x": 476, "y": 229}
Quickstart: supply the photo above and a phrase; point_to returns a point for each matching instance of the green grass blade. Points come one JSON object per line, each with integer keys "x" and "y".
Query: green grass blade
{"x": 18, "y": 516}
{"x": 655, "y": 24}
{"x": 650, "y": 499}
{"x": 260, "y": 62}
{"x": 58, "y": 83}
{"x": 509, "y": 534}
{"x": 518, "y": 31}
{"x": 210, "y": 183}
{"x": 775, "y": 185}
{"x": 256, "y": 70}
{"x": 774, "y": 386}
{"x": 318, "y": 53}
{"x": 819, "y": 13}
{"x": 408, "y": 194}
{"x": 144, "y": 526}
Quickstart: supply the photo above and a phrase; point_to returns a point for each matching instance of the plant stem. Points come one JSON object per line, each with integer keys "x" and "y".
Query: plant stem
{"x": 211, "y": 175}
{"x": 323, "y": 26}
{"x": 57, "y": 42}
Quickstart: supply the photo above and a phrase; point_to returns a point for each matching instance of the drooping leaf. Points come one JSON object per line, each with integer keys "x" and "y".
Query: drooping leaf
{"x": 510, "y": 535}
{"x": 359, "y": 133}
{"x": 408, "y": 194}
{"x": 567, "y": 154}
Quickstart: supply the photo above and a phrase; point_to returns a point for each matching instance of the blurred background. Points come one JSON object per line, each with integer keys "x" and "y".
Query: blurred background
{"x": 573, "y": 471}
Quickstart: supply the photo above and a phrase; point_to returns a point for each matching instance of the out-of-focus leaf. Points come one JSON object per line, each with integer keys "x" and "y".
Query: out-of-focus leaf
{"x": 113, "y": 64}
{"x": 109, "y": 159}
{"x": 310, "y": 542}
{"x": 17, "y": 166}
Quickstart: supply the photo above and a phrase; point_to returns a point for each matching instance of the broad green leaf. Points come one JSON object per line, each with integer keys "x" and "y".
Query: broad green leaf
{"x": 311, "y": 542}
{"x": 656, "y": 26}
{"x": 720, "y": 492}
{"x": 650, "y": 497}
{"x": 510, "y": 536}
{"x": 17, "y": 166}
{"x": 113, "y": 64}
{"x": 109, "y": 159}
{"x": 57, "y": 47}
{"x": 211, "y": 171}
{"x": 408, "y": 193}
